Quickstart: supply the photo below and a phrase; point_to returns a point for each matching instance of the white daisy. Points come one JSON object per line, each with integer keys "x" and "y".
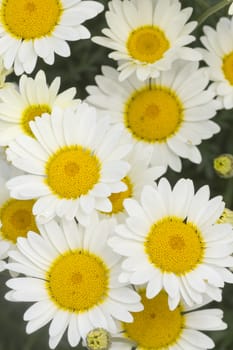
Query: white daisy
{"x": 157, "y": 327}
{"x": 16, "y": 217}
{"x": 71, "y": 275}
{"x": 75, "y": 163}
{"x": 147, "y": 36}
{"x": 34, "y": 97}
{"x": 38, "y": 28}
{"x": 219, "y": 58}
{"x": 169, "y": 115}
{"x": 139, "y": 175}
{"x": 171, "y": 240}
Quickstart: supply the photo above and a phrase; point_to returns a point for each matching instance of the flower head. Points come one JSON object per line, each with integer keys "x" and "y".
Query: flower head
{"x": 38, "y": 28}
{"x": 18, "y": 107}
{"x": 74, "y": 163}
{"x": 72, "y": 280}
{"x": 219, "y": 57}
{"x": 168, "y": 116}
{"x": 156, "y": 327}
{"x": 171, "y": 240}
{"x": 148, "y": 36}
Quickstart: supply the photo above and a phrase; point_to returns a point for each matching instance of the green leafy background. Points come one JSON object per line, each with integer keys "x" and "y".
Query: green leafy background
{"x": 79, "y": 70}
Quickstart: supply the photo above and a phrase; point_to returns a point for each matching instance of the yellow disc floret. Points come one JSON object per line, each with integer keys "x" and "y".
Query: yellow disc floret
{"x": 30, "y": 19}
{"x": 147, "y": 44}
{"x": 29, "y": 115}
{"x": 227, "y": 67}
{"x": 174, "y": 245}
{"x": 78, "y": 281}
{"x": 72, "y": 172}
{"x": 17, "y": 219}
{"x": 156, "y": 327}
{"x": 153, "y": 114}
{"x": 117, "y": 199}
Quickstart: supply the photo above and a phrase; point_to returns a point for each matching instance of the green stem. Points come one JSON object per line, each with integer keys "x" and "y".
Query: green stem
{"x": 212, "y": 10}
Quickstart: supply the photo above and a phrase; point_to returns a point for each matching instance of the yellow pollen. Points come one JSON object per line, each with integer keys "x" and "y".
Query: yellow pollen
{"x": 17, "y": 219}
{"x": 156, "y": 327}
{"x": 78, "y": 281}
{"x": 117, "y": 199}
{"x": 72, "y": 172}
{"x": 30, "y": 113}
{"x": 147, "y": 44}
{"x": 174, "y": 245}
{"x": 153, "y": 114}
{"x": 30, "y": 19}
{"x": 227, "y": 67}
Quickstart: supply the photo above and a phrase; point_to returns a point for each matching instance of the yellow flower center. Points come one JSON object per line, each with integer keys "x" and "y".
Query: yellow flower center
{"x": 174, "y": 245}
{"x": 117, "y": 199}
{"x": 72, "y": 172}
{"x": 30, "y": 113}
{"x": 153, "y": 114}
{"x": 147, "y": 44}
{"x": 17, "y": 219}
{"x": 30, "y": 19}
{"x": 227, "y": 67}
{"x": 78, "y": 281}
{"x": 156, "y": 327}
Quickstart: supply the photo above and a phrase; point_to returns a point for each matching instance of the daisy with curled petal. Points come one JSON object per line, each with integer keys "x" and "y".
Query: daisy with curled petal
{"x": 34, "y": 97}
{"x": 74, "y": 163}
{"x": 38, "y": 28}
{"x": 139, "y": 175}
{"x": 148, "y": 36}
{"x": 218, "y": 55}
{"x": 156, "y": 327}
{"x": 71, "y": 275}
{"x": 169, "y": 115}
{"x": 171, "y": 240}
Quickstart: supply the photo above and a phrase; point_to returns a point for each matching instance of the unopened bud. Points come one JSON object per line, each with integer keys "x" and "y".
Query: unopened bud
{"x": 223, "y": 165}
{"x": 98, "y": 339}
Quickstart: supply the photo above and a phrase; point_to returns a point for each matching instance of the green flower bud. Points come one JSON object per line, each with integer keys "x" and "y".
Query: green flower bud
{"x": 223, "y": 165}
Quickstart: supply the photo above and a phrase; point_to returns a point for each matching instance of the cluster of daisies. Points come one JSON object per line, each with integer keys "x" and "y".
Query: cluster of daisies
{"x": 106, "y": 252}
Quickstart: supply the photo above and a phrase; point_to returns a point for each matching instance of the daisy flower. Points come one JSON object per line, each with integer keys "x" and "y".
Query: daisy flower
{"x": 139, "y": 175}
{"x": 74, "y": 163}
{"x": 171, "y": 240}
{"x": 16, "y": 217}
{"x": 38, "y": 28}
{"x": 71, "y": 275}
{"x": 157, "y": 327}
{"x": 148, "y": 36}
{"x": 218, "y": 55}
{"x": 33, "y": 98}
{"x": 169, "y": 116}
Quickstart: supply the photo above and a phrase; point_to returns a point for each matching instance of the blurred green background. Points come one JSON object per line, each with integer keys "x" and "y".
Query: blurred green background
{"x": 79, "y": 70}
